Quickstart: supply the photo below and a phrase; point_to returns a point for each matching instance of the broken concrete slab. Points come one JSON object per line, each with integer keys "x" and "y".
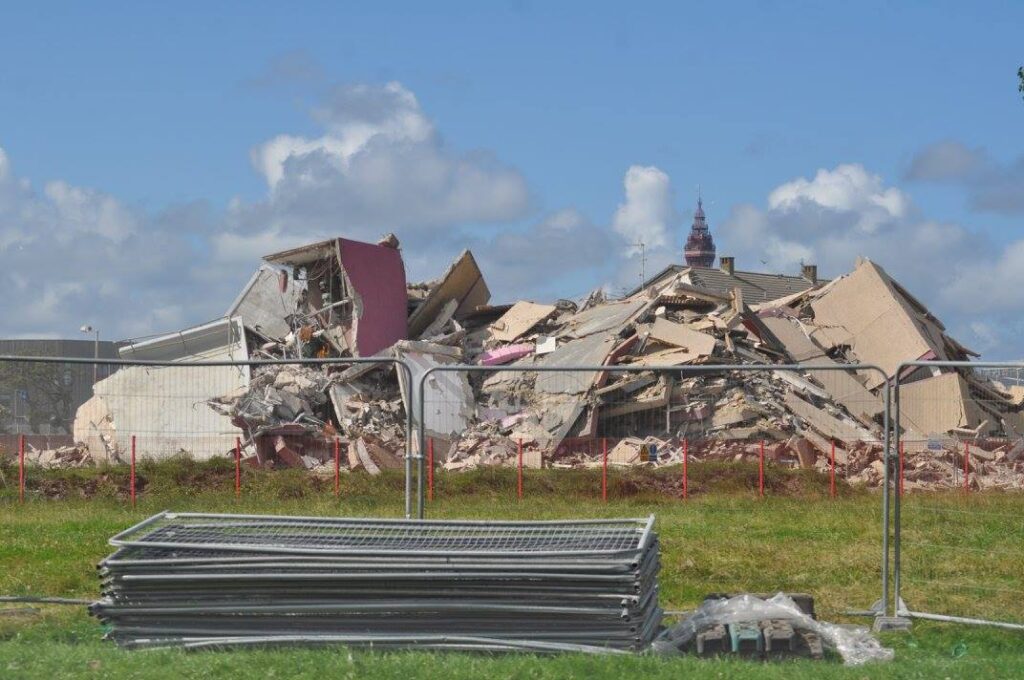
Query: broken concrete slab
{"x": 887, "y": 326}
{"x": 463, "y": 283}
{"x": 447, "y": 397}
{"x": 681, "y": 335}
{"x": 602, "y": 318}
{"x": 518, "y": 320}
{"x": 266, "y": 303}
{"x": 824, "y": 422}
{"x": 938, "y": 405}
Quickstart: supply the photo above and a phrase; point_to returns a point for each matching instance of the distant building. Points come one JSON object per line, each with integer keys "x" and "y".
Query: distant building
{"x": 756, "y": 286}
{"x": 700, "y": 247}
{"x": 43, "y": 398}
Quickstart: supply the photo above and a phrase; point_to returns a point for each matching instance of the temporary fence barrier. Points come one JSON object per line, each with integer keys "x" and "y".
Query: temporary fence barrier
{"x": 957, "y": 553}
{"x": 444, "y": 413}
{"x": 153, "y": 409}
{"x": 200, "y": 580}
{"x": 677, "y": 407}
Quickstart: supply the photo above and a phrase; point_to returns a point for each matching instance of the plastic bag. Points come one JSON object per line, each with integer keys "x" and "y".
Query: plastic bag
{"x": 854, "y": 644}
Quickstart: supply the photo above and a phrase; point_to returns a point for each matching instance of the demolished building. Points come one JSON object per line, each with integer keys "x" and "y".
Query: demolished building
{"x": 341, "y": 298}
{"x": 165, "y": 406}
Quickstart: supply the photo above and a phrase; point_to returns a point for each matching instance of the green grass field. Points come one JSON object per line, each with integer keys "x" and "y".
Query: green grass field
{"x": 723, "y": 538}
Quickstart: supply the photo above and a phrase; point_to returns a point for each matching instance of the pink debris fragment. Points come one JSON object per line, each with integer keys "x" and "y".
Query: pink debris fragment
{"x": 503, "y": 355}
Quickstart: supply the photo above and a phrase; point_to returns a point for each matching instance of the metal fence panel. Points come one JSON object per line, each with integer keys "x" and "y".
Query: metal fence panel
{"x": 586, "y": 412}
{"x": 957, "y": 552}
{"x": 158, "y": 409}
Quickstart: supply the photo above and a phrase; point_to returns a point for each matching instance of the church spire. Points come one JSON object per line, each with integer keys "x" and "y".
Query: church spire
{"x": 700, "y": 247}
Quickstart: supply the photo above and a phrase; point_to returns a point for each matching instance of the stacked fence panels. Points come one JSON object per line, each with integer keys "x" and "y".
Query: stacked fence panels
{"x": 198, "y": 580}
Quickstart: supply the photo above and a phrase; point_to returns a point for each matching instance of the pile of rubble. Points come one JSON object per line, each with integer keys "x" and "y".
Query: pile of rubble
{"x": 60, "y": 457}
{"x": 342, "y": 298}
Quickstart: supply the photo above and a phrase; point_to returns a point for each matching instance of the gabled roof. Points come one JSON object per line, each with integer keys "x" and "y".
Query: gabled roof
{"x": 757, "y": 287}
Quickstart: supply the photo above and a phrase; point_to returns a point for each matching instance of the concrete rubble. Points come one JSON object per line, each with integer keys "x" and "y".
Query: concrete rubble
{"x": 341, "y": 298}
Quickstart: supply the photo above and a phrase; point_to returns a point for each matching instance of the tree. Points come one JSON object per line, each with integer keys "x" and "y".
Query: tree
{"x": 43, "y": 387}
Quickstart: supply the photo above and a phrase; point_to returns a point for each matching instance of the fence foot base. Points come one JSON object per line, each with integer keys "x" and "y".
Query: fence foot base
{"x": 891, "y": 624}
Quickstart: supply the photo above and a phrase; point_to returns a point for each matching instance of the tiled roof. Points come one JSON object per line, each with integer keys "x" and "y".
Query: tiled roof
{"x": 757, "y": 287}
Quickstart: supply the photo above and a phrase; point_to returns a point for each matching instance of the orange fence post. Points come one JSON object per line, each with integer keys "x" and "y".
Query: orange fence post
{"x": 604, "y": 469}
{"x": 967, "y": 466}
{"x": 131, "y": 483}
{"x": 21, "y": 469}
{"x": 238, "y": 467}
{"x": 337, "y": 466}
{"x": 520, "y": 480}
{"x": 832, "y": 471}
{"x": 686, "y": 454}
{"x": 430, "y": 469}
{"x": 760, "y": 471}
{"x": 900, "y": 485}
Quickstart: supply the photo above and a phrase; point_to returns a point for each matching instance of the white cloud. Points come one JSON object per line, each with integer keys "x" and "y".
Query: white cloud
{"x": 847, "y": 188}
{"x": 379, "y": 165}
{"x": 89, "y": 211}
{"x": 988, "y": 284}
{"x": 76, "y": 254}
{"x": 648, "y": 211}
{"x": 542, "y": 260}
{"x": 354, "y": 117}
{"x": 845, "y": 212}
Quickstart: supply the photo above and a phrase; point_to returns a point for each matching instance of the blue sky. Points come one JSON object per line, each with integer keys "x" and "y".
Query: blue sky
{"x": 156, "y": 112}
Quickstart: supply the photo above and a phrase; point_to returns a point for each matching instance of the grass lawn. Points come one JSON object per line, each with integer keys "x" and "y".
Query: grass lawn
{"x": 723, "y": 538}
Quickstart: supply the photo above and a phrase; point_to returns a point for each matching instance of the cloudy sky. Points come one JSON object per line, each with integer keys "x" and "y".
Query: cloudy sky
{"x": 149, "y": 156}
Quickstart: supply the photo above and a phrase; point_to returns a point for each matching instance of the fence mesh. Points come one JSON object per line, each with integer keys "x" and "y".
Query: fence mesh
{"x": 689, "y": 429}
{"x": 959, "y": 481}
{"x": 265, "y": 414}
{"x": 652, "y": 417}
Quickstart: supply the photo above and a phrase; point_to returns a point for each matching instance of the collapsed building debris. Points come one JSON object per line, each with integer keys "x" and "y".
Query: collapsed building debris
{"x": 165, "y": 406}
{"x": 341, "y": 298}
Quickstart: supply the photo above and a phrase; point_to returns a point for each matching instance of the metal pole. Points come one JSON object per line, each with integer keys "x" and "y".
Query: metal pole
{"x": 604, "y": 469}
{"x": 238, "y": 467}
{"x": 760, "y": 471}
{"x": 132, "y": 475}
{"x": 832, "y": 471}
{"x": 899, "y": 483}
{"x": 967, "y": 467}
{"x": 21, "y": 468}
{"x": 520, "y": 480}
{"x": 892, "y": 393}
{"x": 686, "y": 454}
{"x": 430, "y": 469}
{"x": 337, "y": 467}
{"x": 96, "y": 356}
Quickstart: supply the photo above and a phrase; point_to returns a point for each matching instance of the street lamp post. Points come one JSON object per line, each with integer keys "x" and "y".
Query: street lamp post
{"x": 95, "y": 351}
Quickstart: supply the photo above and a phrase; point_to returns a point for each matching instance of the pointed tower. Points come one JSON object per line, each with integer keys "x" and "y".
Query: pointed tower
{"x": 700, "y": 247}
